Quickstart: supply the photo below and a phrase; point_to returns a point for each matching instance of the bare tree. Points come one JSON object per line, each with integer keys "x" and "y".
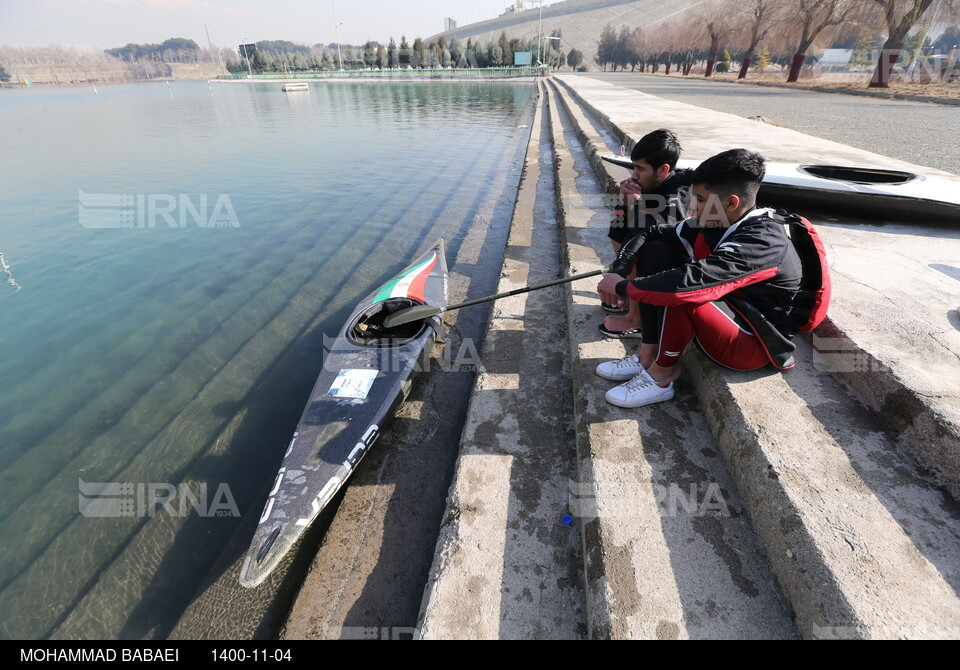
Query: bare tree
{"x": 719, "y": 23}
{"x": 900, "y": 17}
{"x": 657, "y": 43}
{"x": 810, "y": 18}
{"x": 691, "y": 36}
{"x": 669, "y": 43}
{"x": 759, "y": 16}
{"x": 636, "y": 49}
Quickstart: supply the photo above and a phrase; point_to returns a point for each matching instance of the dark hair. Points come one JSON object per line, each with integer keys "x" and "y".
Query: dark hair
{"x": 737, "y": 171}
{"x": 661, "y": 147}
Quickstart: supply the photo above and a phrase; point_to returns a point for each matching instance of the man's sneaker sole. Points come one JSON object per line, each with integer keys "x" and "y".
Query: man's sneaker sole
{"x": 615, "y": 310}
{"x": 632, "y": 334}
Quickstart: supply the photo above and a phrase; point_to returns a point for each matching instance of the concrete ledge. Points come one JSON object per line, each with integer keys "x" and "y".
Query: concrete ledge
{"x": 839, "y": 551}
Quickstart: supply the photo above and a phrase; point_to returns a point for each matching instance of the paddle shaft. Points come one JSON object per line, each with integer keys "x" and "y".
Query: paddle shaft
{"x": 418, "y": 312}
{"x": 526, "y": 289}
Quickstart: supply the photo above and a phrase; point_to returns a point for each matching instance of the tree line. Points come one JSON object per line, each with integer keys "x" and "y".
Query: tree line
{"x": 173, "y": 50}
{"x": 286, "y": 56}
{"x": 784, "y": 32}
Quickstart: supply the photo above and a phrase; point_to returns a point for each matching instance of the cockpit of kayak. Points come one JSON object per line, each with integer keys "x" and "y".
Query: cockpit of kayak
{"x": 368, "y": 329}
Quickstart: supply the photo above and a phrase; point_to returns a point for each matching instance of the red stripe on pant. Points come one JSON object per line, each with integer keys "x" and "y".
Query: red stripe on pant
{"x": 716, "y": 332}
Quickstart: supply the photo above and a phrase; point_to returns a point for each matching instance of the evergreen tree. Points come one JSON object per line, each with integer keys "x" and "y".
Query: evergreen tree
{"x": 495, "y": 55}
{"x": 404, "y": 60}
{"x": 506, "y": 57}
{"x": 862, "y": 57}
{"x": 369, "y": 55}
{"x": 621, "y": 55}
{"x": 914, "y": 47}
{"x": 458, "y": 53}
{"x": 723, "y": 65}
{"x": 259, "y": 62}
{"x": 762, "y": 60}
{"x": 607, "y": 47}
{"x": 4, "y": 75}
{"x": 419, "y": 58}
{"x": 393, "y": 53}
{"x": 433, "y": 54}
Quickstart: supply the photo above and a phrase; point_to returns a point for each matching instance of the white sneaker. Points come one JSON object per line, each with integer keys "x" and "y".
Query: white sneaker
{"x": 639, "y": 391}
{"x": 622, "y": 370}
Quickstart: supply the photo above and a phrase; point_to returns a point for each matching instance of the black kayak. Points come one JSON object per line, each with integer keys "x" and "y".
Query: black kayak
{"x": 367, "y": 373}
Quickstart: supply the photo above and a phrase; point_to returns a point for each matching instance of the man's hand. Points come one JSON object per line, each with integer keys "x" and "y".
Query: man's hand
{"x": 629, "y": 191}
{"x": 608, "y": 287}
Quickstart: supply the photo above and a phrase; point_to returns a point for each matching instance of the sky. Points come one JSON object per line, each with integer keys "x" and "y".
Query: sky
{"x": 113, "y": 23}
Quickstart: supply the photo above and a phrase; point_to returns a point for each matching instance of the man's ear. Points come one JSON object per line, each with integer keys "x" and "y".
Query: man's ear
{"x": 663, "y": 171}
{"x": 731, "y": 202}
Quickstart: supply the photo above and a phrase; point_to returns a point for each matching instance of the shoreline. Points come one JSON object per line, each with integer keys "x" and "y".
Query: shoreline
{"x": 81, "y": 78}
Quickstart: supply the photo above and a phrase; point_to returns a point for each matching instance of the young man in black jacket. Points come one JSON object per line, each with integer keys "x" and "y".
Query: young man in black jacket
{"x": 723, "y": 276}
{"x": 654, "y": 194}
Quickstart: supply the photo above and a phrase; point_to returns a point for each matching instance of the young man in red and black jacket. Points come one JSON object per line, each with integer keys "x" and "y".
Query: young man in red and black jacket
{"x": 655, "y": 193}
{"x": 727, "y": 276}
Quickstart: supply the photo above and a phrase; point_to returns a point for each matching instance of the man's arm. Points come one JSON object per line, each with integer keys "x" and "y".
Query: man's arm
{"x": 625, "y": 260}
{"x": 748, "y": 256}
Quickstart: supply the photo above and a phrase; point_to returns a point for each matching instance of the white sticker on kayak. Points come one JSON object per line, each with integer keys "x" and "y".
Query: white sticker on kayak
{"x": 352, "y": 384}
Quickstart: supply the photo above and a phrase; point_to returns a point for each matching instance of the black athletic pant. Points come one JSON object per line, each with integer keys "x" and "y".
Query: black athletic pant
{"x": 654, "y": 257}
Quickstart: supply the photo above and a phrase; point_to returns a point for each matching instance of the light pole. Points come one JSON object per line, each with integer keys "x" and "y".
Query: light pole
{"x": 540, "y": 36}
{"x": 246, "y": 53}
{"x": 336, "y": 27}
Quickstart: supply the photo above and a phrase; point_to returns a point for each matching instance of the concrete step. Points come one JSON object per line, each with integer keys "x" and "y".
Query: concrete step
{"x": 862, "y": 540}
{"x": 668, "y": 551}
{"x": 506, "y": 566}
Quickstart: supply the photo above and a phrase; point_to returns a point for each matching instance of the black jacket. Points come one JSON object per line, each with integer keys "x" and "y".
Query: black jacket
{"x": 752, "y": 265}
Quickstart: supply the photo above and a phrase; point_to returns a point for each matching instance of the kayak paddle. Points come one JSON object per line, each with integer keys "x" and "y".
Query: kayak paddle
{"x": 418, "y": 312}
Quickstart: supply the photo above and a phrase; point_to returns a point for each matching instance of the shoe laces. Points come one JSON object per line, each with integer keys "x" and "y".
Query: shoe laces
{"x": 639, "y": 382}
{"x": 628, "y": 361}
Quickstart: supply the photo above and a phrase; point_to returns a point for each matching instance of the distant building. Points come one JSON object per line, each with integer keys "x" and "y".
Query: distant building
{"x": 449, "y": 24}
{"x": 516, "y": 7}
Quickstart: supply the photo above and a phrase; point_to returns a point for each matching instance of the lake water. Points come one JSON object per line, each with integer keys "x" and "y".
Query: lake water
{"x": 174, "y": 253}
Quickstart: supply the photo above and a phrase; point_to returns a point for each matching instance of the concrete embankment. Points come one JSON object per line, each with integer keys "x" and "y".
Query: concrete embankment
{"x": 814, "y": 503}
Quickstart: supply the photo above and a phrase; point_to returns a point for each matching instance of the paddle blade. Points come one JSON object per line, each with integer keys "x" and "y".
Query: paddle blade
{"x": 415, "y": 313}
